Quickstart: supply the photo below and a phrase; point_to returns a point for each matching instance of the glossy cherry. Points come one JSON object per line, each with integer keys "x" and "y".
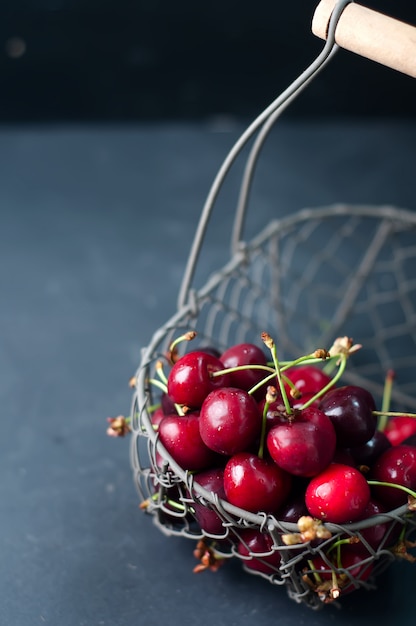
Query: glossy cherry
{"x": 181, "y": 437}
{"x": 256, "y": 548}
{"x": 230, "y": 420}
{"x": 190, "y": 380}
{"x": 351, "y": 410}
{"x": 397, "y": 465}
{"x": 208, "y": 519}
{"x": 255, "y": 484}
{"x": 340, "y": 494}
{"x": 303, "y": 445}
{"x": 399, "y": 428}
{"x": 245, "y": 354}
{"x": 350, "y": 565}
{"x": 368, "y": 452}
{"x": 308, "y": 379}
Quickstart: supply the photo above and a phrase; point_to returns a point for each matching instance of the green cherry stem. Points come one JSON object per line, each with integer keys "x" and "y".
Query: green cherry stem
{"x": 380, "y": 483}
{"x": 271, "y": 396}
{"x": 158, "y": 383}
{"x": 385, "y": 405}
{"x": 189, "y": 336}
{"x": 394, "y": 414}
{"x": 268, "y": 341}
{"x": 334, "y": 380}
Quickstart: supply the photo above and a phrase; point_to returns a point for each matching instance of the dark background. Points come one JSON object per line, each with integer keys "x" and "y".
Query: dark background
{"x": 126, "y": 60}
{"x": 114, "y": 119}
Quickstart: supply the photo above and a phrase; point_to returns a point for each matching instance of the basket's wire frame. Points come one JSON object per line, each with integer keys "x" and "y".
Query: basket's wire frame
{"x": 155, "y": 481}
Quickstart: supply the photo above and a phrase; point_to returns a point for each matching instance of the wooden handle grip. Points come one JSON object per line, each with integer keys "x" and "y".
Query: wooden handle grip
{"x": 370, "y": 34}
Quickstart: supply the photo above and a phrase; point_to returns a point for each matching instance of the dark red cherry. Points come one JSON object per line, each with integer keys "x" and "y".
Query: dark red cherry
{"x": 255, "y": 484}
{"x": 230, "y": 420}
{"x": 351, "y": 565}
{"x": 397, "y": 465}
{"x": 245, "y": 354}
{"x": 368, "y": 452}
{"x": 351, "y": 410}
{"x": 190, "y": 380}
{"x": 181, "y": 437}
{"x": 340, "y": 494}
{"x": 256, "y": 548}
{"x": 207, "y": 517}
{"x": 374, "y": 534}
{"x": 304, "y": 445}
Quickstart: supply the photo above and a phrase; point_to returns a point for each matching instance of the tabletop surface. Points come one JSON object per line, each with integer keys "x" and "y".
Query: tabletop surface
{"x": 96, "y": 225}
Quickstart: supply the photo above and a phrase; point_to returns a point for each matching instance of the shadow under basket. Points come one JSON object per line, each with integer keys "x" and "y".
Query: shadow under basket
{"x": 306, "y": 279}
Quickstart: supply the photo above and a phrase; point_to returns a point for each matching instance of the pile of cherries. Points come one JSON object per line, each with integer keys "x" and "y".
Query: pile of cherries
{"x": 290, "y": 440}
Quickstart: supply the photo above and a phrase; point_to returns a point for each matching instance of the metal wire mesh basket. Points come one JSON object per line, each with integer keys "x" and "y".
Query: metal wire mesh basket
{"x": 307, "y": 278}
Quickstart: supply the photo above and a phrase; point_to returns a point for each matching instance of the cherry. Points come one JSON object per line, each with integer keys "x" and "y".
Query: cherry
{"x": 351, "y": 410}
{"x": 230, "y": 420}
{"x": 396, "y": 465}
{"x": 181, "y": 437}
{"x": 254, "y": 542}
{"x": 245, "y": 354}
{"x": 348, "y": 566}
{"x": 208, "y": 519}
{"x": 308, "y": 379}
{"x": 190, "y": 380}
{"x": 339, "y": 494}
{"x": 293, "y": 509}
{"x": 167, "y": 404}
{"x": 399, "y": 428}
{"x": 375, "y": 534}
{"x": 305, "y": 444}
{"x": 255, "y": 484}
{"x": 368, "y": 452}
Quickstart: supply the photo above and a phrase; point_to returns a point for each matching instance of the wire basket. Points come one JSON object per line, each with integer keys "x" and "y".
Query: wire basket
{"x": 307, "y": 278}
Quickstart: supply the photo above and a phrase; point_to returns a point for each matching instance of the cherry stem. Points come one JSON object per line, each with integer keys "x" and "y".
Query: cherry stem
{"x": 270, "y": 397}
{"x": 268, "y": 341}
{"x": 158, "y": 383}
{"x": 379, "y": 483}
{"x": 160, "y": 372}
{"x": 385, "y": 405}
{"x": 333, "y": 381}
{"x": 239, "y": 368}
{"x": 314, "y": 572}
{"x": 394, "y": 414}
{"x": 191, "y": 334}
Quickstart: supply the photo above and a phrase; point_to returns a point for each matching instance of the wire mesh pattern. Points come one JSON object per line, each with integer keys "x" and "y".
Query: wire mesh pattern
{"x": 303, "y": 279}
{"x": 306, "y": 279}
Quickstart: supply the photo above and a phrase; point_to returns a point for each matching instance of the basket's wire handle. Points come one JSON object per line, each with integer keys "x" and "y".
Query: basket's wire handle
{"x": 266, "y": 119}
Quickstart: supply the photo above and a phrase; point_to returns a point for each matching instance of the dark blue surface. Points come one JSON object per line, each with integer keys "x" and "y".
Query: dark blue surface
{"x": 95, "y": 228}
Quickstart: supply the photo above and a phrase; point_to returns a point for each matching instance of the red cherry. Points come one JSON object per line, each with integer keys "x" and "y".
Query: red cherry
{"x": 396, "y": 465}
{"x": 190, "y": 380}
{"x": 305, "y": 445}
{"x": 181, "y": 438}
{"x": 255, "y": 484}
{"x": 399, "y": 428}
{"x": 230, "y": 420}
{"x": 308, "y": 379}
{"x": 340, "y": 494}
{"x": 245, "y": 354}
{"x": 254, "y": 542}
